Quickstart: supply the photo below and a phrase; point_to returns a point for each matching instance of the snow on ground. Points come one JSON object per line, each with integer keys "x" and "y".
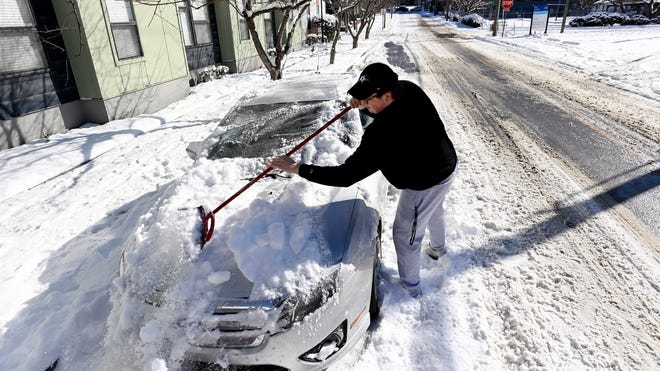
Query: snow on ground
{"x": 70, "y": 202}
{"x": 626, "y": 57}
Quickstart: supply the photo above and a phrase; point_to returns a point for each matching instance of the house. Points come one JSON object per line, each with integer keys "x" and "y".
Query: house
{"x": 648, "y": 8}
{"x": 64, "y": 63}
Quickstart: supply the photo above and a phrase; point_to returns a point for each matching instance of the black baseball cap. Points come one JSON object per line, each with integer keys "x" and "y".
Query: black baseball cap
{"x": 375, "y": 78}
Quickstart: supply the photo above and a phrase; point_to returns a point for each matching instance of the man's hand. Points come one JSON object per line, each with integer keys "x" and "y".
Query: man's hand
{"x": 284, "y": 163}
{"x": 356, "y": 103}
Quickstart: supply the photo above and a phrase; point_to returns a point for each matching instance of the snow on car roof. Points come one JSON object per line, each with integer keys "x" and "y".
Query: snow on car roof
{"x": 303, "y": 89}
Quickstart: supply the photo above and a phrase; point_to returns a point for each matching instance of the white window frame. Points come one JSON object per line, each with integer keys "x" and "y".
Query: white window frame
{"x": 269, "y": 33}
{"x": 186, "y": 29}
{"x": 201, "y": 22}
{"x": 124, "y": 28}
{"x": 20, "y": 45}
{"x": 243, "y": 31}
{"x": 195, "y": 23}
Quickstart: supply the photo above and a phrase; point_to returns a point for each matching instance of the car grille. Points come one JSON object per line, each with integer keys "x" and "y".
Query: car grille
{"x": 220, "y": 339}
{"x": 238, "y": 323}
{"x": 203, "y": 366}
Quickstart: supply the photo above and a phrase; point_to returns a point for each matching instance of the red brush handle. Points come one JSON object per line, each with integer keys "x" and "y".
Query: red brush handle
{"x": 206, "y": 218}
{"x": 292, "y": 151}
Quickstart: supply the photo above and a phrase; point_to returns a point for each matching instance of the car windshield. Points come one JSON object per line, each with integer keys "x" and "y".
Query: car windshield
{"x": 258, "y": 130}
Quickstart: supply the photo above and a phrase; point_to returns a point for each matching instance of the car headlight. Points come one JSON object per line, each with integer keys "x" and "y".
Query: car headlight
{"x": 328, "y": 347}
{"x": 297, "y": 307}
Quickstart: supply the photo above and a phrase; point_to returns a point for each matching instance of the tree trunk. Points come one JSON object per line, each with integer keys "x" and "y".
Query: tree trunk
{"x": 370, "y": 23}
{"x": 333, "y": 49}
{"x": 274, "y": 69}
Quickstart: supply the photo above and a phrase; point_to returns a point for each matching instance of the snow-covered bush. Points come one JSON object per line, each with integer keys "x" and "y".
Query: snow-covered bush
{"x": 608, "y": 19}
{"x": 328, "y": 25}
{"x": 473, "y": 20}
{"x": 312, "y": 39}
{"x": 591, "y": 20}
{"x": 209, "y": 73}
{"x": 328, "y": 20}
{"x": 637, "y": 19}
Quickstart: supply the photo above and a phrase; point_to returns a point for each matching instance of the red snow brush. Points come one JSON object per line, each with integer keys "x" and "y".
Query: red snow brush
{"x": 208, "y": 219}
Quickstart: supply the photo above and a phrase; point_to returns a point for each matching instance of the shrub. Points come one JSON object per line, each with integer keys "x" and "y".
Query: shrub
{"x": 328, "y": 25}
{"x": 207, "y": 74}
{"x": 576, "y": 22}
{"x": 472, "y": 20}
{"x": 608, "y": 19}
{"x": 312, "y": 39}
{"x": 636, "y": 19}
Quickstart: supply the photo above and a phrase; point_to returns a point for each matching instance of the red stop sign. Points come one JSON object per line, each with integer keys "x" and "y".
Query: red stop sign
{"x": 507, "y": 4}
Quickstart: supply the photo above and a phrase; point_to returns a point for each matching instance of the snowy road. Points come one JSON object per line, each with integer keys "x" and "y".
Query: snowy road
{"x": 617, "y": 154}
{"x": 560, "y": 264}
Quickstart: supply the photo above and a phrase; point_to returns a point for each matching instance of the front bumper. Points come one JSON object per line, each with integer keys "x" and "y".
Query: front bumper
{"x": 318, "y": 337}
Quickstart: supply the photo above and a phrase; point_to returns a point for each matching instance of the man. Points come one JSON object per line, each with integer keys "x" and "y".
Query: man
{"x": 408, "y": 143}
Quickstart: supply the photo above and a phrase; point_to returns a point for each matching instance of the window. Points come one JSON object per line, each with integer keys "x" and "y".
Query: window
{"x": 242, "y": 23}
{"x": 268, "y": 28}
{"x": 201, "y": 23}
{"x": 185, "y": 26}
{"x": 124, "y": 28}
{"x": 245, "y": 33}
{"x": 20, "y": 48}
{"x": 197, "y": 32}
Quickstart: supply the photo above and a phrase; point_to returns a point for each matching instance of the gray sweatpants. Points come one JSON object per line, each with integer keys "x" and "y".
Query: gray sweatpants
{"x": 416, "y": 212}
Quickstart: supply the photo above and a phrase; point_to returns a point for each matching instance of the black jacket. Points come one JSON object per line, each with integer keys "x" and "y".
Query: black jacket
{"x": 406, "y": 141}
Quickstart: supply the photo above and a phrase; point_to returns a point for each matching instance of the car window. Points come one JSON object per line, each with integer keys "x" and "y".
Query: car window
{"x": 259, "y": 130}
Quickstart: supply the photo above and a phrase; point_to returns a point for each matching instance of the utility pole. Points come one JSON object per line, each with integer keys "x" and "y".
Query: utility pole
{"x": 497, "y": 16}
{"x": 563, "y": 21}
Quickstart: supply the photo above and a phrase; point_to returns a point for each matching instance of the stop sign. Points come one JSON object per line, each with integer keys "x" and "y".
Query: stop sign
{"x": 507, "y": 4}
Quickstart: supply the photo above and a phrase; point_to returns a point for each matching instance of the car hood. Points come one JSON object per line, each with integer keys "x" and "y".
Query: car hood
{"x": 166, "y": 258}
{"x": 338, "y": 221}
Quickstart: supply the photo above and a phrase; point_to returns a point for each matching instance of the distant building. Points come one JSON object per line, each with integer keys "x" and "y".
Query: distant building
{"x": 648, "y": 8}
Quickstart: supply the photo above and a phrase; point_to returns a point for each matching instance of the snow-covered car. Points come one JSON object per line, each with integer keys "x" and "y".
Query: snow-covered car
{"x": 289, "y": 279}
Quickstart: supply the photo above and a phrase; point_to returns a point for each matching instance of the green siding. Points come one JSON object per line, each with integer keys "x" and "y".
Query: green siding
{"x": 77, "y": 50}
{"x": 223, "y": 13}
{"x": 100, "y": 73}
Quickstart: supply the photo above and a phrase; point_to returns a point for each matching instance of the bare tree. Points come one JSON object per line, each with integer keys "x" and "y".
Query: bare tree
{"x": 469, "y": 6}
{"x": 338, "y": 7}
{"x": 383, "y": 4}
{"x": 363, "y": 12}
{"x": 448, "y": 6}
{"x": 290, "y": 12}
{"x": 586, "y": 4}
